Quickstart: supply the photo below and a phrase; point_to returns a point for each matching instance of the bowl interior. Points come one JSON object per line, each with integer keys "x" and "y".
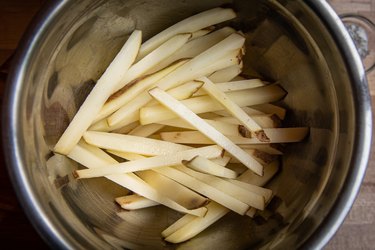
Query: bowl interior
{"x": 286, "y": 42}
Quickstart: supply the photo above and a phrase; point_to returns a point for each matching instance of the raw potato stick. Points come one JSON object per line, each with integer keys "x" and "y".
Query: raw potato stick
{"x": 234, "y": 86}
{"x": 227, "y": 74}
{"x": 201, "y": 32}
{"x": 133, "y": 89}
{"x": 126, "y": 155}
{"x": 267, "y": 148}
{"x": 189, "y": 226}
{"x": 266, "y": 193}
{"x": 149, "y": 163}
{"x": 100, "y": 93}
{"x": 223, "y": 127}
{"x": 146, "y": 130}
{"x": 134, "y": 202}
{"x": 102, "y": 126}
{"x": 206, "y": 166}
{"x": 92, "y": 157}
{"x": 271, "y": 109}
{"x": 203, "y": 104}
{"x": 196, "y": 46}
{"x": 178, "y": 224}
{"x": 221, "y": 161}
{"x": 276, "y": 135}
{"x": 226, "y": 125}
{"x": 188, "y": 25}
{"x": 234, "y": 109}
{"x": 183, "y": 112}
{"x": 182, "y": 92}
{"x": 152, "y": 59}
{"x": 192, "y": 226}
{"x": 253, "y": 179}
{"x": 265, "y": 121}
{"x": 248, "y": 110}
{"x": 132, "y": 144}
{"x": 185, "y": 90}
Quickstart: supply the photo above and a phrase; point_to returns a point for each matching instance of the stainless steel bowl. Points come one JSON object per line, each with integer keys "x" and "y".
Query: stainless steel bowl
{"x": 301, "y": 44}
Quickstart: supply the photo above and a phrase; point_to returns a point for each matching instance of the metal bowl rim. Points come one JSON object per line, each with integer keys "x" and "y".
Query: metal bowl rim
{"x": 50, "y": 232}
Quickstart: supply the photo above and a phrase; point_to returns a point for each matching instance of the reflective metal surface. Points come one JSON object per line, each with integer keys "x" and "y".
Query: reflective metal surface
{"x": 301, "y": 44}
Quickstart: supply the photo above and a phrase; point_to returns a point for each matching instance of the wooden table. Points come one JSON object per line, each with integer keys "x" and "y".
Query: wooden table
{"x": 357, "y": 232}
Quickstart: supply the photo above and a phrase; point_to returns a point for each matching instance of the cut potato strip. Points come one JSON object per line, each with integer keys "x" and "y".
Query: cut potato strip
{"x": 134, "y": 202}
{"x": 234, "y": 109}
{"x": 196, "y": 46}
{"x": 223, "y": 127}
{"x": 227, "y": 74}
{"x": 188, "y": 25}
{"x": 91, "y": 157}
{"x": 102, "y": 126}
{"x": 193, "y": 226}
{"x": 183, "y": 112}
{"x": 172, "y": 189}
{"x": 248, "y": 110}
{"x": 208, "y": 115}
{"x": 186, "y": 137}
{"x": 265, "y": 121}
{"x": 266, "y": 193}
{"x": 252, "y": 199}
{"x": 221, "y": 161}
{"x": 132, "y": 144}
{"x": 133, "y": 89}
{"x": 126, "y": 155}
{"x": 150, "y": 163}
{"x": 276, "y": 135}
{"x": 204, "y": 165}
{"x": 204, "y": 189}
{"x": 237, "y": 167}
{"x": 154, "y": 58}
{"x": 201, "y": 32}
{"x": 178, "y": 224}
{"x": 271, "y": 109}
{"x": 182, "y": 92}
{"x": 100, "y": 93}
{"x": 251, "y": 178}
{"x": 185, "y": 90}
{"x": 234, "y": 86}
{"x": 203, "y": 104}
{"x": 226, "y": 125}
{"x": 267, "y": 148}
{"x": 262, "y": 157}
{"x": 146, "y": 130}
{"x": 127, "y": 111}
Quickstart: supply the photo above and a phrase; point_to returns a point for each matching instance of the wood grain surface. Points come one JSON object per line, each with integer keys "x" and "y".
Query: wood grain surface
{"x": 357, "y": 232}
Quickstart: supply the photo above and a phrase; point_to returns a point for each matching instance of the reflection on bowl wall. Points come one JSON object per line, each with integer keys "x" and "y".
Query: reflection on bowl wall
{"x": 286, "y": 41}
